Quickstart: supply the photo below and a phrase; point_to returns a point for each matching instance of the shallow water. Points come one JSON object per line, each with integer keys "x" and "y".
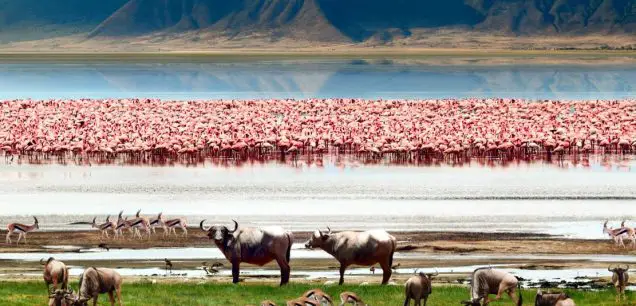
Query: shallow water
{"x": 305, "y": 79}
{"x": 537, "y": 198}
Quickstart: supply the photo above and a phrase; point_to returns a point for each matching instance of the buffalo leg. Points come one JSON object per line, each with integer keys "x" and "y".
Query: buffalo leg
{"x": 284, "y": 271}
{"x": 235, "y": 272}
{"x": 386, "y": 272}
{"x": 343, "y": 267}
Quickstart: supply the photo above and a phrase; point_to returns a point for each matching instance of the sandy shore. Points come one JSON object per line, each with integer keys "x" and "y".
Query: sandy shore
{"x": 427, "y": 242}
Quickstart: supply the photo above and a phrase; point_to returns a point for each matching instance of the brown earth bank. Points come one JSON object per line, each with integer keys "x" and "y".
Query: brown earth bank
{"x": 423, "y": 242}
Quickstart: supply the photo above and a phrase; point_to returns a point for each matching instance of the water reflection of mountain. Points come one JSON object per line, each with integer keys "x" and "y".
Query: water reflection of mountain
{"x": 312, "y": 79}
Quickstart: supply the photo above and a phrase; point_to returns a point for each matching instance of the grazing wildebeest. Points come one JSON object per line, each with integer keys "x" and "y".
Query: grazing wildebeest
{"x": 486, "y": 281}
{"x": 320, "y": 296}
{"x": 418, "y": 288}
{"x": 357, "y": 248}
{"x": 620, "y": 279}
{"x": 55, "y": 273}
{"x": 96, "y": 281}
{"x": 351, "y": 298}
{"x": 257, "y": 246}
{"x": 62, "y": 297}
{"x": 552, "y": 299}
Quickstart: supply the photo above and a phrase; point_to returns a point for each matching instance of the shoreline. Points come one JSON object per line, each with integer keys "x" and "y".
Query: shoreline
{"x": 425, "y": 56}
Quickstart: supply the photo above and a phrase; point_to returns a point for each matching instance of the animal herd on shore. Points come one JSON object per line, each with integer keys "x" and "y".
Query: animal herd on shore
{"x": 260, "y": 246}
{"x": 149, "y": 131}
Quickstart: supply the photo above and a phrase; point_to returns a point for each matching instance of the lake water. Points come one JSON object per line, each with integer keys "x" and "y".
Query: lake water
{"x": 567, "y": 199}
{"x": 538, "y": 198}
{"x": 307, "y": 79}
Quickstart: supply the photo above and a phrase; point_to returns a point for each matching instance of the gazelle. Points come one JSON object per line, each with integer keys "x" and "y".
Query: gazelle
{"x": 615, "y": 233}
{"x": 141, "y": 222}
{"x": 21, "y": 229}
{"x": 105, "y": 227}
{"x": 631, "y": 233}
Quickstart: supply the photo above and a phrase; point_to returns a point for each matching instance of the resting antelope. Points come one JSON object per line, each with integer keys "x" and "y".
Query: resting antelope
{"x": 552, "y": 299}
{"x": 320, "y": 296}
{"x": 351, "y": 298}
{"x": 21, "y": 229}
{"x": 303, "y": 301}
{"x": 616, "y": 234}
{"x": 620, "y": 279}
{"x": 105, "y": 227}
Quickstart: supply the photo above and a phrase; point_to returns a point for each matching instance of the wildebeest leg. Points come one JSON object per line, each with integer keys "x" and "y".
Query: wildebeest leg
{"x": 343, "y": 267}
{"x": 118, "y": 291}
{"x": 284, "y": 271}
{"x": 386, "y": 272}
{"x": 417, "y": 301}
{"x": 512, "y": 295}
{"x": 407, "y": 300}
{"x": 111, "y": 298}
{"x": 424, "y": 300}
{"x": 486, "y": 301}
{"x": 95, "y": 300}
{"x": 235, "y": 271}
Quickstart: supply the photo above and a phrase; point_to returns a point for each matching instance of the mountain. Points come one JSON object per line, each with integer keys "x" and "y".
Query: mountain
{"x": 312, "y": 20}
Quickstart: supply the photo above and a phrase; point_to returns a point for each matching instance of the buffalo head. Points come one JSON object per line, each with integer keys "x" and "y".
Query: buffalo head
{"x": 219, "y": 233}
{"x": 317, "y": 239}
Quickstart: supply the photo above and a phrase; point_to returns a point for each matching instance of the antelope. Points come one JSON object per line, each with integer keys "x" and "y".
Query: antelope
{"x": 616, "y": 234}
{"x": 170, "y": 226}
{"x": 104, "y": 227}
{"x": 620, "y": 279}
{"x": 303, "y": 301}
{"x": 21, "y": 229}
{"x": 631, "y": 233}
{"x": 552, "y": 299}
{"x": 141, "y": 222}
{"x": 351, "y": 298}
{"x": 320, "y": 296}
{"x": 123, "y": 223}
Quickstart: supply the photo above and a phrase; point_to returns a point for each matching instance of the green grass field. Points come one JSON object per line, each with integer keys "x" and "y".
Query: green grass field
{"x": 34, "y": 293}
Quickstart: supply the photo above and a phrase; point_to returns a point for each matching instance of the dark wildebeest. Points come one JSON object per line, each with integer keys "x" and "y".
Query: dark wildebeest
{"x": 357, "y": 248}
{"x": 552, "y": 299}
{"x": 418, "y": 288}
{"x": 620, "y": 279}
{"x": 486, "y": 281}
{"x": 257, "y": 246}
{"x": 56, "y": 274}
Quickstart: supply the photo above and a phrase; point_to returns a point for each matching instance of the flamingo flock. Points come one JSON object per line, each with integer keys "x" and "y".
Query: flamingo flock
{"x": 146, "y": 131}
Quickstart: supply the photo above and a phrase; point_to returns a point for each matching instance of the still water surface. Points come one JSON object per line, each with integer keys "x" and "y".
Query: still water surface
{"x": 309, "y": 79}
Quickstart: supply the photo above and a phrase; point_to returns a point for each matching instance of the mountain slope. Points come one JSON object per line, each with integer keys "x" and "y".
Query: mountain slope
{"x": 312, "y": 20}
{"x": 298, "y": 18}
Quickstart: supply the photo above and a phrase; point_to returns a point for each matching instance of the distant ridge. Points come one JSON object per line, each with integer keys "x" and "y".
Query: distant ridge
{"x": 351, "y": 21}
{"x": 277, "y": 18}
